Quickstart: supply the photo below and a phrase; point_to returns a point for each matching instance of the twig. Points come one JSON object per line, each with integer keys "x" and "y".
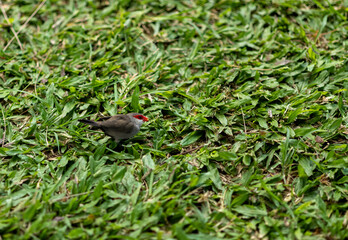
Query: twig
{"x": 245, "y": 130}
{"x": 9, "y": 23}
{"x": 71, "y": 196}
{"x": 146, "y": 174}
{"x": 241, "y": 108}
{"x": 24, "y": 25}
{"x": 191, "y": 150}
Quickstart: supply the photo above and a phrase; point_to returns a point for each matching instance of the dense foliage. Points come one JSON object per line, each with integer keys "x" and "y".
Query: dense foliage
{"x": 247, "y": 137}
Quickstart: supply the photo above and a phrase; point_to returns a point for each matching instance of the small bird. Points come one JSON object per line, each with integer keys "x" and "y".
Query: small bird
{"x": 121, "y": 126}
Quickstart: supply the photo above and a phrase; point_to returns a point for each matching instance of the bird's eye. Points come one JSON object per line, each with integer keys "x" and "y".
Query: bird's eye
{"x": 141, "y": 117}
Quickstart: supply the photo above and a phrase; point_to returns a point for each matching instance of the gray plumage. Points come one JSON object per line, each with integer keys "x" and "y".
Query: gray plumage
{"x": 119, "y": 126}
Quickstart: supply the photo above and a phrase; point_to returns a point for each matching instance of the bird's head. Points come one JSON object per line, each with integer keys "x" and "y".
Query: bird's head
{"x": 140, "y": 117}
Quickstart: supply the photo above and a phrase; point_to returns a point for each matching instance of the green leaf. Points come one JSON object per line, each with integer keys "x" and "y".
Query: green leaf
{"x": 230, "y": 156}
{"x": 263, "y": 123}
{"x": 179, "y": 232}
{"x": 77, "y": 233}
{"x": 246, "y": 160}
{"x": 321, "y": 204}
{"x": 251, "y": 211}
{"x": 239, "y": 200}
{"x": 303, "y": 207}
{"x": 29, "y": 212}
{"x": 341, "y": 106}
{"x": 191, "y": 138}
{"x": 293, "y": 115}
{"x": 135, "y": 195}
{"x": 99, "y": 152}
{"x": 336, "y": 124}
{"x": 189, "y": 97}
{"x": 307, "y": 165}
{"x": 222, "y": 119}
{"x": 327, "y": 65}
{"x": 187, "y": 105}
{"x": 68, "y": 107}
{"x": 120, "y": 172}
{"x": 148, "y": 161}
{"x": 215, "y": 177}
{"x": 98, "y": 190}
{"x": 63, "y": 161}
{"x": 342, "y": 180}
{"x": 135, "y": 100}
{"x": 112, "y": 194}
{"x": 301, "y": 132}
{"x": 311, "y": 54}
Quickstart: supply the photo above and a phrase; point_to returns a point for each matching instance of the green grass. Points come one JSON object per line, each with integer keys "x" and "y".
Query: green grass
{"x": 247, "y": 137}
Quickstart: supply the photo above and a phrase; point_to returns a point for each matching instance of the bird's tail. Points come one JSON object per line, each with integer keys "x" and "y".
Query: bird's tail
{"x": 92, "y": 123}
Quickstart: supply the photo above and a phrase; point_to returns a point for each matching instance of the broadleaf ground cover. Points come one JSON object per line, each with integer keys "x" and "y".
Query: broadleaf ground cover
{"x": 247, "y": 102}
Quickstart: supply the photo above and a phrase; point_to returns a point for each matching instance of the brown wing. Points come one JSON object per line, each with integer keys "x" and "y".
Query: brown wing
{"x": 104, "y": 118}
{"x": 117, "y": 123}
